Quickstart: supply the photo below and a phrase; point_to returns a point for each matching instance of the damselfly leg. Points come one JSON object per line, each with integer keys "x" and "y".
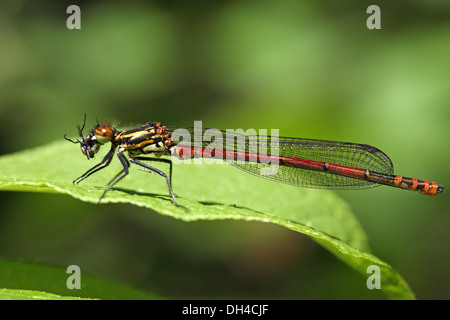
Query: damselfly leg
{"x": 103, "y": 164}
{"x": 146, "y": 166}
{"x": 159, "y": 160}
{"x": 126, "y": 164}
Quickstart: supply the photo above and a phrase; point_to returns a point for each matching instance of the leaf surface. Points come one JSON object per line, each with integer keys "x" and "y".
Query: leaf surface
{"x": 209, "y": 192}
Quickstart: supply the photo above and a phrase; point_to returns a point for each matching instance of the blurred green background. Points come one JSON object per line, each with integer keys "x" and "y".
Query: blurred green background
{"x": 311, "y": 69}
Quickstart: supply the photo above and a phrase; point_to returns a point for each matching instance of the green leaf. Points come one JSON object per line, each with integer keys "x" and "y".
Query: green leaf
{"x": 209, "y": 192}
{"x": 18, "y": 294}
{"x": 35, "y": 281}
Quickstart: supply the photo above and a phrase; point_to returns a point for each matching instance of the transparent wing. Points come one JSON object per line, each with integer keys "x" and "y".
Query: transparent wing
{"x": 341, "y": 153}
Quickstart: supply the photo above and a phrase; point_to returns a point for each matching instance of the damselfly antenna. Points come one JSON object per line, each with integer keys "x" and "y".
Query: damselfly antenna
{"x": 80, "y": 132}
{"x": 71, "y": 139}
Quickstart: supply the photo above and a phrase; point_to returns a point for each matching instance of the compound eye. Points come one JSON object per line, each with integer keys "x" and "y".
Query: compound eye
{"x": 103, "y": 134}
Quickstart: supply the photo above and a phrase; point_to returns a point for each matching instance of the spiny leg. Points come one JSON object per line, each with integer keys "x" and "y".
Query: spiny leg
{"x": 115, "y": 177}
{"x": 125, "y": 163}
{"x": 158, "y": 172}
{"x": 103, "y": 164}
{"x": 159, "y": 160}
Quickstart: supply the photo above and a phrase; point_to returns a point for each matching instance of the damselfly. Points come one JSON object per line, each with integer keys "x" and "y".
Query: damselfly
{"x": 295, "y": 161}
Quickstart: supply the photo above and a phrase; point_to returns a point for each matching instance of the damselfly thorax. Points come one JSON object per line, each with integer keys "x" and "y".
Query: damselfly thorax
{"x": 150, "y": 138}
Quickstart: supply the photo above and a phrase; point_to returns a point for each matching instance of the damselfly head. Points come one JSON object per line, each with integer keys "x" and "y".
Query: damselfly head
{"x": 89, "y": 145}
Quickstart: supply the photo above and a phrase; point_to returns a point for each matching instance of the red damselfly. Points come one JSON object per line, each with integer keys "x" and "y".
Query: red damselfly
{"x": 300, "y": 162}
